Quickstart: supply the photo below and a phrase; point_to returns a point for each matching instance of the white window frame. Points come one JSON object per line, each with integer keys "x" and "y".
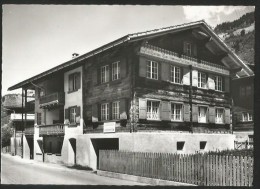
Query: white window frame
{"x": 187, "y": 48}
{"x": 217, "y": 117}
{"x": 175, "y": 74}
{"x": 104, "y": 111}
{"x": 174, "y": 109}
{"x": 72, "y": 114}
{"x": 150, "y": 114}
{"x": 199, "y": 114}
{"x": 246, "y": 116}
{"x": 115, "y": 110}
{"x": 104, "y": 72}
{"x": 200, "y": 80}
{"x": 152, "y": 69}
{"x": 115, "y": 71}
{"x": 218, "y": 83}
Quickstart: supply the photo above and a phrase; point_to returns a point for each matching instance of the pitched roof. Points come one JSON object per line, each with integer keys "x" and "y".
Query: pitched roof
{"x": 135, "y": 37}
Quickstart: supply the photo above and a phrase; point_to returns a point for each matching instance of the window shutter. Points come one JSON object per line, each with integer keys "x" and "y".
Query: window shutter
{"x": 212, "y": 114}
{"x": 186, "y": 76}
{"x": 142, "y": 67}
{"x": 123, "y": 68}
{"x": 159, "y": 70}
{"x": 78, "y": 111}
{"x": 94, "y": 76}
{"x": 194, "y": 112}
{"x": 194, "y": 50}
{"x": 166, "y": 111}
{"x": 123, "y": 109}
{"x": 165, "y": 71}
{"x": 184, "y": 48}
{"x": 70, "y": 82}
{"x": 226, "y": 84}
{"x": 108, "y": 73}
{"x": 195, "y": 78}
{"x": 95, "y": 113}
{"x": 186, "y": 112}
{"x": 66, "y": 113}
{"x": 78, "y": 81}
{"x": 227, "y": 116}
{"x": 142, "y": 108}
{"x": 211, "y": 82}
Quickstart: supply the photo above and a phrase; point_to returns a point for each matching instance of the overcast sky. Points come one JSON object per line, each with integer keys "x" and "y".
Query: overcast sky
{"x": 39, "y": 37}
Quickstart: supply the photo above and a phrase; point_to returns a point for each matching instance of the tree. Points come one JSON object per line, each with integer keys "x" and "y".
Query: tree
{"x": 242, "y": 33}
{"x": 6, "y": 134}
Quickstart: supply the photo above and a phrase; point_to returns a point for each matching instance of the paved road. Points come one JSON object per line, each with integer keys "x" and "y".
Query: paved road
{"x": 15, "y": 170}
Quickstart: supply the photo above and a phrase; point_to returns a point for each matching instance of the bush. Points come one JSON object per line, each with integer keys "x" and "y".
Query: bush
{"x": 6, "y": 134}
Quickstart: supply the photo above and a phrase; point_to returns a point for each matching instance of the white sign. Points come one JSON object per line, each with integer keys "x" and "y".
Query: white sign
{"x": 109, "y": 127}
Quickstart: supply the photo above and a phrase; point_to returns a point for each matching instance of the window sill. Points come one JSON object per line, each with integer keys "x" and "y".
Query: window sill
{"x": 73, "y": 125}
{"x": 58, "y": 154}
{"x": 153, "y": 119}
{"x": 177, "y": 121}
{"x": 72, "y": 91}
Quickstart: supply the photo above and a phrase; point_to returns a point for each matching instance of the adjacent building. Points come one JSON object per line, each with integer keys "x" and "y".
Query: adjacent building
{"x": 164, "y": 90}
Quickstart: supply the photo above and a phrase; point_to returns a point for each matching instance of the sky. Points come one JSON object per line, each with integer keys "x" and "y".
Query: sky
{"x": 36, "y": 38}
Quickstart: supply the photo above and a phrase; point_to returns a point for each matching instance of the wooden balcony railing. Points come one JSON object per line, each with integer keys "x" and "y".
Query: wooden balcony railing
{"x": 29, "y": 130}
{"x": 57, "y": 129}
{"x": 182, "y": 59}
{"x": 52, "y": 99}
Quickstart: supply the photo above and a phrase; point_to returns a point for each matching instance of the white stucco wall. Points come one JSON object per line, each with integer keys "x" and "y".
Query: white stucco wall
{"x": 26, "y": 148}
{"x": 37, "y": 149}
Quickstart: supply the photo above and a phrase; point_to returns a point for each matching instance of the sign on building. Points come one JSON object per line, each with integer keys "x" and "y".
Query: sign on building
{"x": 109, "y": 127}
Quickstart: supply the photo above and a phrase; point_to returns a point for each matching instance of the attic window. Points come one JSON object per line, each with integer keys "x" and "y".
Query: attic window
{"x": 187, "y": 48}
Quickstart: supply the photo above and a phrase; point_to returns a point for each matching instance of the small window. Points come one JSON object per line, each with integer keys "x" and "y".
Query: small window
{"x": 176, "y": 112}
{"x": 219, "y": 117}
{"x": 202, "y": 117}
{"x": 104, "y": 112}
{"x": 247, "y": 117}
{"x": 115, "y": 110}
{"x": 115, "y": 71}
{"x": 203, "y": 145}
{"x": 39, "y": 118}
{"x": 152, "y": 70}
{"x": 153, "y": 112}
{"x": 104, "y": 74}
{"x": 72, "y": 114}
{"x": 187, "y": 48}
{"x": 175, "y": 74}
{"x": 218, "y": 83}
{"x": 202, "y": 80}
{"x": 74, "y": 82}
{"x": 180, "y": 145}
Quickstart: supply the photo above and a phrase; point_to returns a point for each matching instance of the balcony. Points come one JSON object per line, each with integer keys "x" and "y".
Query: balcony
{"x": 29, "y": 130}
{"x": 170, "y": 56}
{"x": 54, "y": 130}
{"x": 52, "y": 100}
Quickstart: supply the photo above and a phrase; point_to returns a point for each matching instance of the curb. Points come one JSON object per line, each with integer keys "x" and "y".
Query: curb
{"x": 145, "y": 180}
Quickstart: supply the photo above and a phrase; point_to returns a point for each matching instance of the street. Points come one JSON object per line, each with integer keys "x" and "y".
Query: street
{"x": 15, "y": 170}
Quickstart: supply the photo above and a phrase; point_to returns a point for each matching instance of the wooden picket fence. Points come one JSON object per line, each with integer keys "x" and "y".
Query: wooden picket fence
{"x": 198, "y": 169}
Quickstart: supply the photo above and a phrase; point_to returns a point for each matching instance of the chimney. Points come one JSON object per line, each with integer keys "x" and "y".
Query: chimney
{"x": 74, "y": 55}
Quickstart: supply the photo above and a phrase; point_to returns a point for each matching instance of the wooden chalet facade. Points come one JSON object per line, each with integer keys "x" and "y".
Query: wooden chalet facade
{"x": 174, "y": 79}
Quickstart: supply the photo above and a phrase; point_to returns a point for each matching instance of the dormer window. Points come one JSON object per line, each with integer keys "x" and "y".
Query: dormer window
{"x": 187, "y": 48}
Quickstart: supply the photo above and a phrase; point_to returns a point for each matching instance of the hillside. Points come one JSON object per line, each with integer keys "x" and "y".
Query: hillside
{"x": 239, "y": 35}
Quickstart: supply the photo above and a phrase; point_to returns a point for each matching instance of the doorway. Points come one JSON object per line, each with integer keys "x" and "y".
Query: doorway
{"x": 73, "y": 152}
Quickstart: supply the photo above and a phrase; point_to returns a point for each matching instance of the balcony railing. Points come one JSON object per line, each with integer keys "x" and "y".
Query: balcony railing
{"x": 29, "y": 130}
{"x": 182, "y": 59}
{"x": 57, "y": 129}
{"x": 18, "y": 117}
{"x": 52, "y": 100}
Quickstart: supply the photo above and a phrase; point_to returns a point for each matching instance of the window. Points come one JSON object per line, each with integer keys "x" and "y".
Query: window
{"x": 202, "y": 114}
{"x": 104, "y": 74}
{"x": 180, "y": 145}
{"x": 187, "y": 48}
{"x": 247, "y": 116}
{"x": 74, "y": 82}
{"x": 39, "y": 118}
{"x": 202, "y": 145}
{"x": 153, "y": 110}
{"x": 152, "y": 70}
{"x": 202, "y": 80}
{"x": 115, "y": 71}
{"x": 72, "y": 115}
{"x": 104, "y": 111}
{"x": 218, "y": 83}
{"x": 176, "y": 112}
{"x": 175, "y": 74}
{"x": 115, "y": 110}
{"x": 242, "y": 91}
{"x": 219, "y": 115}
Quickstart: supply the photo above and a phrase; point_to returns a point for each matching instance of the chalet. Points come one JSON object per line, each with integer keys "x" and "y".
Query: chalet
{"x": 164, "y": 90}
